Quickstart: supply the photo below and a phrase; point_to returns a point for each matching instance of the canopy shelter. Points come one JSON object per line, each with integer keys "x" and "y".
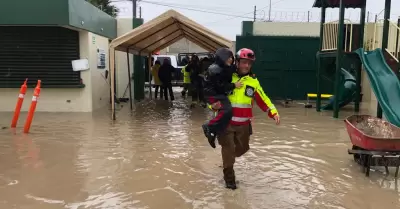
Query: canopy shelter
{"x": 157, "y": 34}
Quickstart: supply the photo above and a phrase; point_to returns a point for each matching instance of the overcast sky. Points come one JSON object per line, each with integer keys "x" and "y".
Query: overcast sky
{"x": 225, "y": 16}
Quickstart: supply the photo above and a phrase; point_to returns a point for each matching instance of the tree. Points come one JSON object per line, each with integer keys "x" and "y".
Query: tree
{"x": 105, "y": 6}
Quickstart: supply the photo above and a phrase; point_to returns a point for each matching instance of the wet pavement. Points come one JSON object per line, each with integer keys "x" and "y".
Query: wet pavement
{"x": 156, "y": 157}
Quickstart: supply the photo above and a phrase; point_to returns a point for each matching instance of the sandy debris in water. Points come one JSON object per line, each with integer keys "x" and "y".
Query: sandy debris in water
{"x": 376, "y": 128}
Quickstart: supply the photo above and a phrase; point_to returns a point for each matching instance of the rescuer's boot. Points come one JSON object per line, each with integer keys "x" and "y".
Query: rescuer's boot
{"x": 229, "y": 177}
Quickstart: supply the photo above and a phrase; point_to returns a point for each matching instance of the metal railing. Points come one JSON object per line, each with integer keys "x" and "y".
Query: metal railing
{"x": 377, "y": 36}
{"x": 331, "y": 31}
{"x": 393, "y": 38}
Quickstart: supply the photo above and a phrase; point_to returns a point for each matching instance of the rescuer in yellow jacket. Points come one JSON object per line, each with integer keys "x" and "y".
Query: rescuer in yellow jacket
{"x": 157, "y": 81}
{"x": 186, "y": 81}
{"x": 235, "y": 140}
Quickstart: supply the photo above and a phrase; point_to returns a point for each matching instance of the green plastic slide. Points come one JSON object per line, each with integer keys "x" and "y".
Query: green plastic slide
{"x": 384, "y": 83}
{"x": 347, "y": 91}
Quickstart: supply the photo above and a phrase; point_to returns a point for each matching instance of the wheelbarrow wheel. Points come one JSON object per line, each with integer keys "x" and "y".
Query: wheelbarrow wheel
{"x": 357, "y": 157}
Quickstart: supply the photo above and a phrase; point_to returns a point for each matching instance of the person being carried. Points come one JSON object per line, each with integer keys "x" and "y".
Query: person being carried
{"x": 217, "y": 85}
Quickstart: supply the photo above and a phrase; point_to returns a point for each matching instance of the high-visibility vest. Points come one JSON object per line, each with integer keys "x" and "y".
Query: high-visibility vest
{"x": 242, "y": 100}
{"x": 154, "y": 72}
{"x": 186, "y": 75}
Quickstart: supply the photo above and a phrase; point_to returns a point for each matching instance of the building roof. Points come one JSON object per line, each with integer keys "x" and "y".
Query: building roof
{"x": 336, "y": 3}
{"x": 165, "y": 30}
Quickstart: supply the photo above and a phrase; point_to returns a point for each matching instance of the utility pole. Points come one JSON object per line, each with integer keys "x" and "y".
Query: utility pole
{"x": 255, "y": 13}
{"x": 134, "y": 7}
{"x": 140, "y": 12}
{"x": 269, "y": 13}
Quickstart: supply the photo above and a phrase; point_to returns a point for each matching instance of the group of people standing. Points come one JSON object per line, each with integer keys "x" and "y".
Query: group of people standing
{"x": 162, "y": 75}
{"x": 193, "y": 78}
{"x": 193, "y": 71}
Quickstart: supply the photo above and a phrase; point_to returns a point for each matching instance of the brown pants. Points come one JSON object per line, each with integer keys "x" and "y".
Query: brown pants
{"x": 234, "y": 142}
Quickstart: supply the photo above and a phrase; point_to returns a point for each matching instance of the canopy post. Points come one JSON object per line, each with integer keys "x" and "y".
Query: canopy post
{"x": 319, "y": 61}
{"x": 139, "y": 77}
{"x": 385, "y": 36}
{"x": 149, "y": 67}
{"x": 130, "y": 80}
{"x": 112, "y": 72}
{"x": 339, "y": 58}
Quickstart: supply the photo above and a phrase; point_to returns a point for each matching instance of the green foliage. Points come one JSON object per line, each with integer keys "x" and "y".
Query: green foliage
{"x": 105, "y": 6}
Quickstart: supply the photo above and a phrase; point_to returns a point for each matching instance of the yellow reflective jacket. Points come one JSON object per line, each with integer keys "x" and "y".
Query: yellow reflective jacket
{"x": 154, "y": 73}
{"x": 186, "y": 75}
{"x": 242, "y": 100}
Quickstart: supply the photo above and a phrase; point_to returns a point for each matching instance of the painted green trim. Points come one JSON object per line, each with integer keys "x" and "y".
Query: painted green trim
{"x": 85, "y": 16}
{"x": 138, "y": 71}
{"x": 136, "y": 22}
{"x": 321, "y": 41}
{"x": 336, "y": 3}
{"x": 43, "y": 12}
{"x": 58, "y": 13}
{"x": 247, "y": 28}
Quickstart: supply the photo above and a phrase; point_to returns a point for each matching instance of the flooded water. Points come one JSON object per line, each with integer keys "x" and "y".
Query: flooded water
{"x": 156, "y": 157}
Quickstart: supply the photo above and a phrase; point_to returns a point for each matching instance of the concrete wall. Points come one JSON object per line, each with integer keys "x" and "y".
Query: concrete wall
{"x": 369, "y": 103}
{"x": 124, "y": 25}
{"x": 95, "y": 94}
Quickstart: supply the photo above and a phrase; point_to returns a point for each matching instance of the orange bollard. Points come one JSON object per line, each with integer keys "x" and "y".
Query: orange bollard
{"x": 20, "y": 100}
{"x": 32, "y": 108}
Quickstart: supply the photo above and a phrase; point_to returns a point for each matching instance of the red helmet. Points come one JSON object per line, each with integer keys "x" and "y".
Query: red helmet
{"x": 246, "y": 54}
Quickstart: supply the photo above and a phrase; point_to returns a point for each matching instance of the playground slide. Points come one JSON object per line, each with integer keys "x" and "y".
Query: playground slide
{"x": 384, "y": 83}
{"x": 347, "y": 91}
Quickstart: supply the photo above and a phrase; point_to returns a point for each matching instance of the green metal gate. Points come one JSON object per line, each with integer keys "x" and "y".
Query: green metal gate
{"x": 286, "y": 65}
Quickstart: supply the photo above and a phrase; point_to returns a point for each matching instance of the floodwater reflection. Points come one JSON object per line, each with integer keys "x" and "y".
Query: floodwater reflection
{"x": 156, "y": 157}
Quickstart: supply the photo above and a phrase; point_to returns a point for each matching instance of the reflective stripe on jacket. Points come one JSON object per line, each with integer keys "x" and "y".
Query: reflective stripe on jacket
{"x": 186, "y": 75}
{"x": 242, "y": 100}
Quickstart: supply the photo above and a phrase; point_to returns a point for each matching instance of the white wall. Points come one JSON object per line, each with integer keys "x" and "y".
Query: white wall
{"x": 100, "y": 88}
{"x": 93, "y": 96}
{"x": 286, "y": 29}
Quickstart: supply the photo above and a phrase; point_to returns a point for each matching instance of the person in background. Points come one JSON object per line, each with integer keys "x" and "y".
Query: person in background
{"x": 157, "y": 82}
{"x": 186, "y": 77}
{"x": 195, "y": 79}
{"x": 235, "y": 139}
{"x": 165, "y": 75}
